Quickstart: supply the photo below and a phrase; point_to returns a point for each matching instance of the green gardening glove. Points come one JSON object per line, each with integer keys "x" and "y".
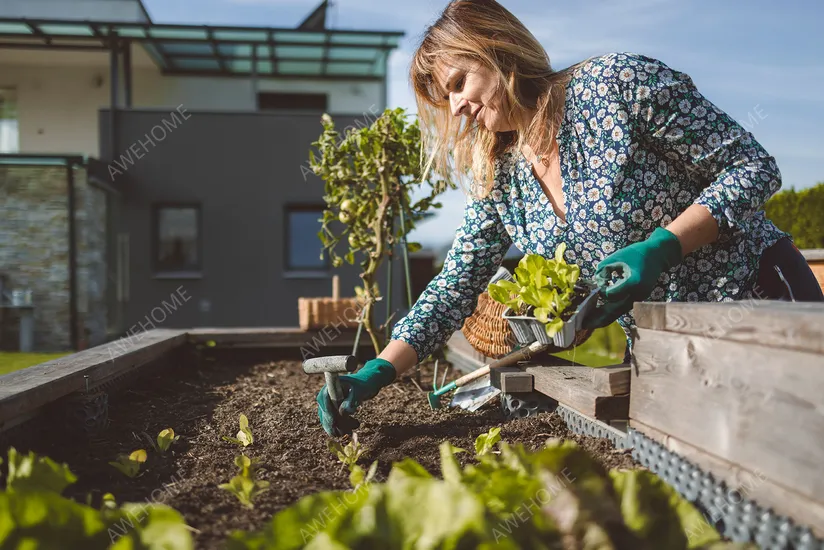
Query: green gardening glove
{"x": 357, "y": 388}
{"x": 638, "y": 266}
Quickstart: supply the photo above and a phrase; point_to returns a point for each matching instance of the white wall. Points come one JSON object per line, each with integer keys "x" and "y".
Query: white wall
{"x": 99, "y": 10}
{"x": 59, "y": 95}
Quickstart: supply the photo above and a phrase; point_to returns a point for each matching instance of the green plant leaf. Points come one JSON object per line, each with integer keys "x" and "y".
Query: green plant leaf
{"x": 450, "y": 470}
{"x": 35, "y": 473}
{"x": 356, "y": 476}
{"x": 129, "y": 465}
{"x": 165, "y": 439}
{"x": 410, "y": 468}
{"x": 655, "y": 511}
{"x": 484, "y": 443}
{"x": 244, "y": 436}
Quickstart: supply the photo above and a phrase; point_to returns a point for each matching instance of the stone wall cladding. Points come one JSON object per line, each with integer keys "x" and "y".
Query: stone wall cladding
{"x": 91, "y": 258}
{"x": 34, "y": 250}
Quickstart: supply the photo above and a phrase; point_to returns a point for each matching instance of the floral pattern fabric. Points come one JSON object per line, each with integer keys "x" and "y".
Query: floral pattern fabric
{"x": 638, "y": 145}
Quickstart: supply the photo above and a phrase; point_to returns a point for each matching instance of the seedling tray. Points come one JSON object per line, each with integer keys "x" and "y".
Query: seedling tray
{"x": 527, "y": 329}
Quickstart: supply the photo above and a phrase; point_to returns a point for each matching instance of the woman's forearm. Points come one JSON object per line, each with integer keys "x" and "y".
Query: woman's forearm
{"x": 402, "y": 356}
{"x": 695, "y": 227}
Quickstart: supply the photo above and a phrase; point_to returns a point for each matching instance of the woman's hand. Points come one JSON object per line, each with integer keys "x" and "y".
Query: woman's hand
{"x": 359, "y": 387}
{"x": 639, "y": 266}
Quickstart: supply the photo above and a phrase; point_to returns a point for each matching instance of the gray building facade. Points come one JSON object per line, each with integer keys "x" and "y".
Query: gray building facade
{"x": 240, "y": 184}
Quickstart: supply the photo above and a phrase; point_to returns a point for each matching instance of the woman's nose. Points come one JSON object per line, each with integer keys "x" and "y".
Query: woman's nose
{"x": 458, "y": 104}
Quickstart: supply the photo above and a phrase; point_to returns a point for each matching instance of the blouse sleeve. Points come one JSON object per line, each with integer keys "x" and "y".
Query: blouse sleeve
{"x": 477, "y": 252}
{"x": 670, "y": 113}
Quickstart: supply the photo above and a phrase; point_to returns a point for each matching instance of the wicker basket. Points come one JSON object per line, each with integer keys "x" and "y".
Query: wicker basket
{"x": 487, "y": 331}
{"x": 320, "y": 312}
{"x": 316, "y": 313}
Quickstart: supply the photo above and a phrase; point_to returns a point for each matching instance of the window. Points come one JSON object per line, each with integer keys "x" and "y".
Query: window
{"x": 303, "y": 247}
{"x": 177, "y": 238}
{"x": 275, "y": 100}
{"x": 9, "y": 134}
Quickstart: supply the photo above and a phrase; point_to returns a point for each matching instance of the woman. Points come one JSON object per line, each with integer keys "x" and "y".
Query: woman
{"x": 619, "y": 156}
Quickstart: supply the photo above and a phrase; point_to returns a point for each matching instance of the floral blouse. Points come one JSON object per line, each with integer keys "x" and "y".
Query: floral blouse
{"x": 638, "y": 145}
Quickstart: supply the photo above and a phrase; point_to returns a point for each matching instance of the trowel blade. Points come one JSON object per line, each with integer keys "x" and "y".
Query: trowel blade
{"x": 474, "y": 395}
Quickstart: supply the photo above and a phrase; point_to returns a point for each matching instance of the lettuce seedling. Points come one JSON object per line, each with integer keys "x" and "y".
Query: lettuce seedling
{"x": 347, "y": 455}
{"x": 484, "y": 443}
{"x": 245, "y": 489}
{"x": 244, "y": 486}
{"x": 108, "y": 502}
{"x": 246, "y": 465}
{"x": 358, "y": 478}
{"x": 546, "y": 285}
{"x": 244, "y": 436}
{"x": 165, "y": 439}
{"x": 130, "y": 465}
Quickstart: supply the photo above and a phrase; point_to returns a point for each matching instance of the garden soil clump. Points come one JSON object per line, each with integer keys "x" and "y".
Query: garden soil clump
{"x": 202, "y": 400}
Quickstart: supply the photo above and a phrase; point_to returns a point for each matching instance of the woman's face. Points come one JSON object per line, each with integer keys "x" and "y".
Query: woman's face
{"x": 471, "y": 93}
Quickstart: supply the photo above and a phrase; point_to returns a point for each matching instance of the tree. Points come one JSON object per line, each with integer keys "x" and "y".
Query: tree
{"x": 370, "y": 174}
{"x": 800, "y": 213}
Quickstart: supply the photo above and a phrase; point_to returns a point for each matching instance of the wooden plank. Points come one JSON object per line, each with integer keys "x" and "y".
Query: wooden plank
{"x": 511, "y": 380}
{"x": 787, "y": 325}
{"x": 25, "y": 391}
{"x": 311, "y": 340}
{"x": 609, "y": 380}
{"x": 572, "y": 388}
{"x": 746, "y": 484}
{"x": 759, "y": 407}
{"x": 813, "y": 255}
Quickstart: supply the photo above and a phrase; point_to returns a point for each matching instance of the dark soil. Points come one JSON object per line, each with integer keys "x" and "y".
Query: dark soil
{"x": 202, "y": 404}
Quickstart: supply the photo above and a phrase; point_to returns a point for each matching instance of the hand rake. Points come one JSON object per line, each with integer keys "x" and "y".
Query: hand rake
{"x": 484, "y": 392}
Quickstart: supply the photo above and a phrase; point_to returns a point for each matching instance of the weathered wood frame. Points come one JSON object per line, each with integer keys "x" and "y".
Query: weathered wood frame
{"x": 738, "y": 389}
{"x": 25, "y": 392}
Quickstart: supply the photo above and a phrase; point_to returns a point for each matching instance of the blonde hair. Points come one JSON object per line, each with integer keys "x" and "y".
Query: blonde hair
{"x": 483, "y": 31}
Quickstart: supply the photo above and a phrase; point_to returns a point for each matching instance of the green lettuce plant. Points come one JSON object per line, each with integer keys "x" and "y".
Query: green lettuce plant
{"x": 348, "y": 455}
{"x": 165, "y": 439}
{"x": 244, "y": 436}
{"x": 244, "y": 485}
{"x": 485, "y": 443}
{"x": 35, "y": 514}
{"x": 547, "y": 285}
{"x": 555, "y": 497}
{"x": 129, "y": 465}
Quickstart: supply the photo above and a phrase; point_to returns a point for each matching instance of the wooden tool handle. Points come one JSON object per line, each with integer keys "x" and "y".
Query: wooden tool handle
{"x": 506, "y": 361}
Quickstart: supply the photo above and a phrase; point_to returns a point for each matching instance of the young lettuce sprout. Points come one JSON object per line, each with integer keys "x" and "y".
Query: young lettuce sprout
{"x": 244, "y": 436}
{"x": 244, "y": 486}
{"x": 165, "y": 439}
{"x": 485, "y": 443}
{"x": 348, "y": 456}
{"x": 130, "y": 465}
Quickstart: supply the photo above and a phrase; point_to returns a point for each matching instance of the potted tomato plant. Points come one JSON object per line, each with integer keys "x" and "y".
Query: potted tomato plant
{"x": 546, "y": 300}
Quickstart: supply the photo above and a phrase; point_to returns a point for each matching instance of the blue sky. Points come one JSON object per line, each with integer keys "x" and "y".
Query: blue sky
{"x": 759, "y": 60}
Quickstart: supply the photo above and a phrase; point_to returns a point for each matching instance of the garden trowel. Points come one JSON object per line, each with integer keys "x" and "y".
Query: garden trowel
{"x": 476, "y": 387}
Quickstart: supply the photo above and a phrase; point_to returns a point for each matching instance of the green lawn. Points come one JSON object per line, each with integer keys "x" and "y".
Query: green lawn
{"x": 11, "y": 361}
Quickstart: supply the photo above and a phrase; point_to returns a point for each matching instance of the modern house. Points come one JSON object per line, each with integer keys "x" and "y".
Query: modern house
{"x": 157, "y": 175}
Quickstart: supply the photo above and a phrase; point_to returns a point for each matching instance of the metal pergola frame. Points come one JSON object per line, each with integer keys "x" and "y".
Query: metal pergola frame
{"x": 226, "y": 51}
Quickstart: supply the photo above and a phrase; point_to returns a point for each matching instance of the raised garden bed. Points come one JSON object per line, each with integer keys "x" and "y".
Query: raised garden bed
{"x": 202, "y": 399}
